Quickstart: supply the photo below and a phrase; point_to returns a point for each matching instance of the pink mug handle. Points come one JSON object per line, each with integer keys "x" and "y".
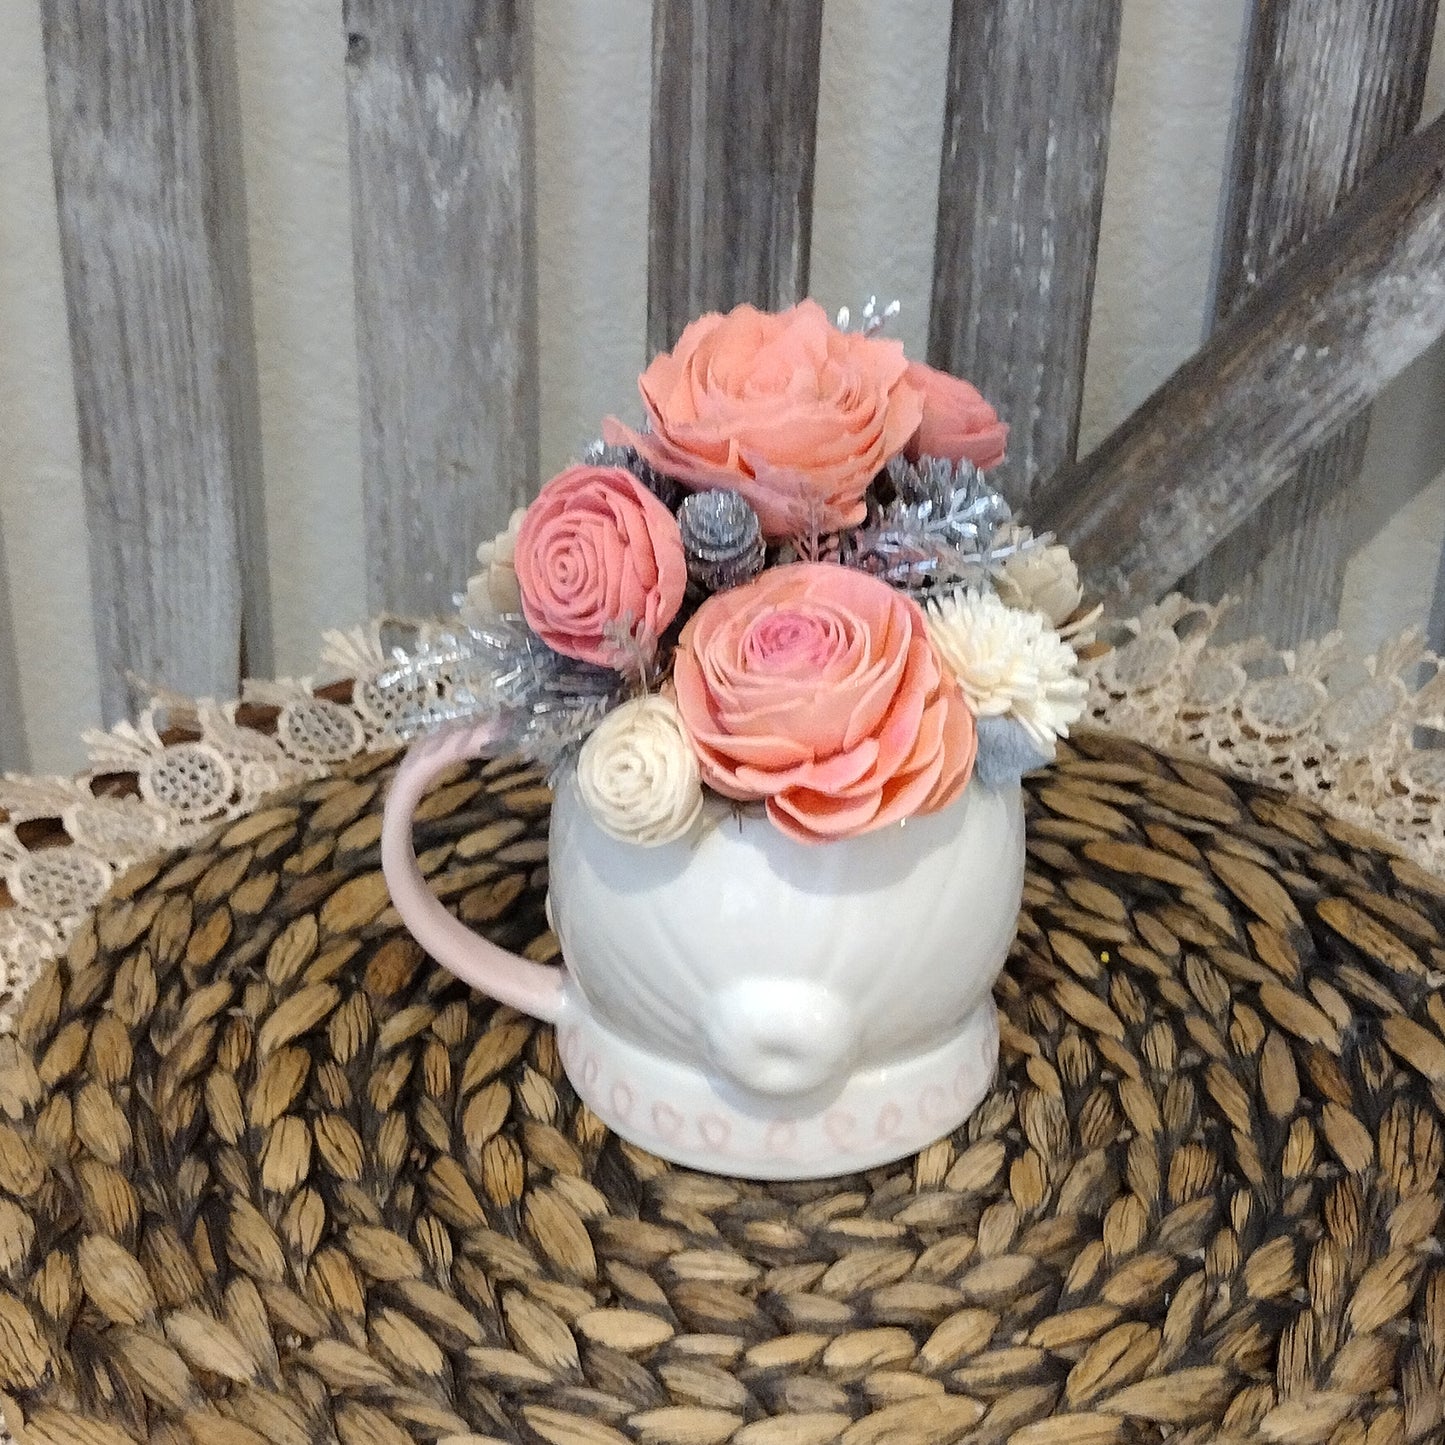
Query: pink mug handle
{"x": 534, "y": 988}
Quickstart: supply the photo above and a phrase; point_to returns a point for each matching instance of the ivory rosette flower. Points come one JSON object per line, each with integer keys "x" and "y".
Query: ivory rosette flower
{"x": 1042, "y": 579}
{"x": 815, "y": 689}
{"x": 493, "y": 591}
{"x": 638, "y": 774}
{"x": 1046, "y": 579}
{"x": 783, "y": 408}
{"x": 1009, "y": 663}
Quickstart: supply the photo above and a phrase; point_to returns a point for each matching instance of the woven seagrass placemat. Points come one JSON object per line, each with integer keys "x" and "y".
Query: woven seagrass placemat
{"x": 268, "y": 1177}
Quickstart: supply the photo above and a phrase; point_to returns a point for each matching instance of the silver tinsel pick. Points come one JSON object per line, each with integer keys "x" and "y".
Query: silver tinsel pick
{"x": 943, "y": 527}
{"x": 500, "y": 669}
{"x": 667, "y": 491}
{"x": 722, "y": 539}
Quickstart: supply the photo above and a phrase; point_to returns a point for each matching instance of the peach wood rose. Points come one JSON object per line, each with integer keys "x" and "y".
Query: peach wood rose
{"x": 816, "y": 690}
{"x": 785, "y": 409}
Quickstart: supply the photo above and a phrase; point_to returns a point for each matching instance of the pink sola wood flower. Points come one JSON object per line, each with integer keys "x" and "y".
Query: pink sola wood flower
{"x": 958, "y": 423}
{"x": 598, "y": 553}
{"x": 816, "y": 688}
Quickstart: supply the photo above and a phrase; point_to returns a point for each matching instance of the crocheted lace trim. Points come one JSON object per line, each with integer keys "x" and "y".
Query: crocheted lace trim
{"x": 1366, "y": 740}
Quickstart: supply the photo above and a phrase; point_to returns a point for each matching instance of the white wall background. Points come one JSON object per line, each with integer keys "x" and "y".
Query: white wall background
{"x": 879, "y": 130}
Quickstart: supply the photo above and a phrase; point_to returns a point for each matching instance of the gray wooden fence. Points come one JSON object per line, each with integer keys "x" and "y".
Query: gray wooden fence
{"x": 1331, "y": 279}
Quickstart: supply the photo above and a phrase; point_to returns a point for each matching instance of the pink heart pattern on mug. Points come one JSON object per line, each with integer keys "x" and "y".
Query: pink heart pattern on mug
{"x": 667, "y": 1121}
{"x": 828, "y": 1140}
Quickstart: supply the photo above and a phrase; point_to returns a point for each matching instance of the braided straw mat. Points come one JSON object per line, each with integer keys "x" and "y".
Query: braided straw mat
{"x": 268, "y": 1177}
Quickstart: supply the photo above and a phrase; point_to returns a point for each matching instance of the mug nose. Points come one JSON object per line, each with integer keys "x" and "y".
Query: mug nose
{"x": 780, "y": 1036}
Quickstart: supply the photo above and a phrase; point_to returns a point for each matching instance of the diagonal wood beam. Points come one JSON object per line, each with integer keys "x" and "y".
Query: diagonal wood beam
{"x": 1338, "y": 320}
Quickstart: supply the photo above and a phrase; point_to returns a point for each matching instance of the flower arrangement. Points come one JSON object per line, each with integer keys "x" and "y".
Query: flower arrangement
{"x": 791, "y": 587}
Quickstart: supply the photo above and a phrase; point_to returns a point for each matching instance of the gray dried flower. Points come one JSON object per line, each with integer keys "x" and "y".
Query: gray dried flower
{"x": 722, "y": 538}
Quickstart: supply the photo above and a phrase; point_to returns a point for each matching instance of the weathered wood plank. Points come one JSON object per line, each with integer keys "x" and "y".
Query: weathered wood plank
{"x": 734, "y": 116}
{"x": 439, "y": 107}
{"x": 14, "y": 747}
{"x": 1435, "y": 628}
{"x": 1330, "y": 86}
{"x": 1315, "y": 342}
{"x": 1287, "y": 567}
{"x": 1026, "y": 132}
{"x": 1286, "y": 570}
{"x": 148, "y": 181}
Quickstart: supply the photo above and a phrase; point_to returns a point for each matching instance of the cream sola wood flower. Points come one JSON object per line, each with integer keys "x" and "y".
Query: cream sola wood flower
{"x": 1009, "y": 663}
{"x": 638, "y": 774}
{"x": 1045, "y": 579}
{"x": 493, "y": 592}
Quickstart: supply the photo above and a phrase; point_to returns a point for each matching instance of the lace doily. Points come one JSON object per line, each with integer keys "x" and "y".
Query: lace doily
{"x": 1367, "y": 741}
{"x": 1364, "y": 739}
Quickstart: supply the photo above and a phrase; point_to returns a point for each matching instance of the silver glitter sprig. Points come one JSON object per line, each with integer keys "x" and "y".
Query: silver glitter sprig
{"x": 942, "y": 527}
{"x": 872, "y": 320}
{"x": 722, "y": 538}
{"x": 602, "y": 454}
{"x": 502, "y": 670}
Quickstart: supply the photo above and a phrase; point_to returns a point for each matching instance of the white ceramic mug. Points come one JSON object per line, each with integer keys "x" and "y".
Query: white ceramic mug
{"x": 744, "y": 1003}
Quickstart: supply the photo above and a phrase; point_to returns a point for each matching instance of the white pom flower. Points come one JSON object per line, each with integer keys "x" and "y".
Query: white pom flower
{"x": 493, "y": 591}
{"x": 638, "y": 774}
{"x": 1009, "y": 664}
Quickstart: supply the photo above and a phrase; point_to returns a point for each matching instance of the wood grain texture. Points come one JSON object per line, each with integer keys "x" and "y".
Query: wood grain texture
{"x": 1330, "y": 86}
{"x": 441, "y": 153}
{"x": 1435, "y": 631}
{"x": 1286, "y": 568}
{"x": 1021, "y": 187}
{"x": 1313, "y": 344}
{"x": 734, "y": 115}
{"x": 142, "y": 109}
{"x": 14, "y": 747}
